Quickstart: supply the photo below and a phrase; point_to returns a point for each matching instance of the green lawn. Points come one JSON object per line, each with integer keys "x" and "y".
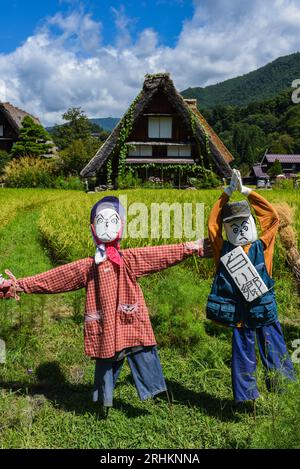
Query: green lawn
{"x": 45, "y": 385}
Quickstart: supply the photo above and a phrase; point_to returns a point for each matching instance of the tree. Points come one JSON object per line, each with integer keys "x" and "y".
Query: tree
{"x": 33, "y": 140}
{"x": 244, "y": 169}
{"x": 77, "y": 155}
{"x": 283, "y": 144}
{"x": 248, "y": 142}
{"x": 77, "y": 127}
{"x": 275, "y": 169}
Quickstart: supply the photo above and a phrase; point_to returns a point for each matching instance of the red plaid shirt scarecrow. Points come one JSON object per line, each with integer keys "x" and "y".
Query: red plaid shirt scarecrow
{"x": 116, "y": 315}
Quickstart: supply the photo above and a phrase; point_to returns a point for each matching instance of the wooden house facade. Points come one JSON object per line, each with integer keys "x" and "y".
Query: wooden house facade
{"x": 11, "y": 118}
{"x": 290, "y": 163}
{"x": 162, "y": 133}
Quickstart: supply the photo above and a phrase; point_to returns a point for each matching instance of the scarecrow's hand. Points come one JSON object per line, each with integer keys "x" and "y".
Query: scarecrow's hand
{"x": 206, "y": 249}
{"x": 243, "y": 189}
{"x": 9, "y": 288}
{"x": 5, "y": 286}
{"x": 201, "y": 247}
{"x": 234, "y": 182}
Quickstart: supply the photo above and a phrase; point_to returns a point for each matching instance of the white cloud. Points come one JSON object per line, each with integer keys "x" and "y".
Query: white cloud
{"x": 66, "y": 64}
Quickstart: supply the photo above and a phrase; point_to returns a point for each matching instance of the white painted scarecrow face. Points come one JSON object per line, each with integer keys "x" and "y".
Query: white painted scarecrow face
{"x": 107, "y": 225}
{"x": 241, "y": 231}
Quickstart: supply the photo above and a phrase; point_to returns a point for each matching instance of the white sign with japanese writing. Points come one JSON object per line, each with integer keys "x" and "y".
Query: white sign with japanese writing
{"x": 244, "y": 274}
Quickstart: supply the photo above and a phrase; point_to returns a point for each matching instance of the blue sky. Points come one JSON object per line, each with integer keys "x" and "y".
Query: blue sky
{"x": 55, "y": 54}
{"x": 19, "y": 19}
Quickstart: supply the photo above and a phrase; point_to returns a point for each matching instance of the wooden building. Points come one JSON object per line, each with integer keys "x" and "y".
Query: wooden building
{"x": 290, "y": 163}
{"x": 160, "y": 134}
{"x": 11, "y": 119}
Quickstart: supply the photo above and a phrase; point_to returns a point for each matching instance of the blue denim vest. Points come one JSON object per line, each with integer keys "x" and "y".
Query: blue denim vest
{"x": 227, "y": 305}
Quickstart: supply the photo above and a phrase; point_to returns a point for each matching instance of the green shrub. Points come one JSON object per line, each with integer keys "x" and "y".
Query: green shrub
{"x": 284, "y": 184}
{"x": 208, "y": 180}
{"x": 29, "y": 172}
{"x": 4, "y": 159}
{"x": 73, "y": 183}
{"x": 152, "y": 183}
{"x": 128, "y": 181}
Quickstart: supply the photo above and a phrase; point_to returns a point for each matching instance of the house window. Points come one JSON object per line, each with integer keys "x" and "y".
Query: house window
{"x": 140, "y": 150}
{"x": 160, "y": 127}
{"x": 1, "y": 130}
{"x": 180, "y": 151}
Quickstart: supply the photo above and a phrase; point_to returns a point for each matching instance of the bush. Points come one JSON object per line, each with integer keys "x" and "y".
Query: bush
{"x": 286, "y": 184}
{"x": 275, "y": 169}
{"x": 73, "y": 183}
{"x": 29, "y": 172}
{"x": 154, "y": 182}
{"x": 4, "y": 159}
{"x": 128, "y": 181}
{"x": 208, "y": 181}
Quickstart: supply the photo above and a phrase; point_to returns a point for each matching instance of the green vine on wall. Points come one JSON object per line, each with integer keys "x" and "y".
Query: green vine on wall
{"x": 184, "y": 169}
{"x": 109, "y": 172}
{"x": 125, "y": 130}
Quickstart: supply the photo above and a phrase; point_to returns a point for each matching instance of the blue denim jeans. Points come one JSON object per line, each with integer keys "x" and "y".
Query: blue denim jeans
{"x": 274, "y": 356}
{"x": 146, "y": 371}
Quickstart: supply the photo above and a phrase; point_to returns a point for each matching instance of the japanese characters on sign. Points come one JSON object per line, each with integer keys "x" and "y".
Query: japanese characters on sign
{"x": 244, "y": 274}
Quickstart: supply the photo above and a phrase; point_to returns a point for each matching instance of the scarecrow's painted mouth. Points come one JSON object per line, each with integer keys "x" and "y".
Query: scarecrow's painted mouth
{"x": 105, "y": 235}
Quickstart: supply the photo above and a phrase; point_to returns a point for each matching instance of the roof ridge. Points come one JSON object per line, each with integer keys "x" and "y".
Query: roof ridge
{"x": 18, "y": 108}
{"x": 213, "y": 135}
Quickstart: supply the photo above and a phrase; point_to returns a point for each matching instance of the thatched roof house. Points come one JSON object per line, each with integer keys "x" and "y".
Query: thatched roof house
{"x": 160, "y": 130}
{"x": 11, "y": 118}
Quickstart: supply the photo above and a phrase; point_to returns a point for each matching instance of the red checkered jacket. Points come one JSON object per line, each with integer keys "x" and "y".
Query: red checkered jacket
{"x": 116, "y": 315}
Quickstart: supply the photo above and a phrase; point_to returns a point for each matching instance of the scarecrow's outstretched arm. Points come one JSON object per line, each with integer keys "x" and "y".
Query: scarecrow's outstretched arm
{"x": 215, "y": 227}
{"x": 64, "y": 278}
{"x": 269, "y": 222}
{"x": 150, "y": 259}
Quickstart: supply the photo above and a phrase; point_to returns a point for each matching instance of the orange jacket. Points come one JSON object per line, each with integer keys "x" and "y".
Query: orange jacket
{"x": 268, "y": 220}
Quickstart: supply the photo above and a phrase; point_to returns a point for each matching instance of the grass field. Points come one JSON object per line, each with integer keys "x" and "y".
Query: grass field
{"x": 46, "y": 382}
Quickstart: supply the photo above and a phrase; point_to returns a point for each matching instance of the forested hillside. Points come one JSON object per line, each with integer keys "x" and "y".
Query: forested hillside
{"x": 263, "y": 83}
{"x": 250, "y": 130}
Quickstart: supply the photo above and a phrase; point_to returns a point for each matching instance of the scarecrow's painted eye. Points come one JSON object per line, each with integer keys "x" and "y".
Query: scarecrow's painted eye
{"x": 245, "y": 227}
{"x": 114, "y": 220}
{"x": 100, "y": 219}
{"x": 235, "y": 230}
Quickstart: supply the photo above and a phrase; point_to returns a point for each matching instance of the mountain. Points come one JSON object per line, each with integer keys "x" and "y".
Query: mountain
{"x": 248, "y": 131}
{"x": 107, "y": 123}
{"x": 261, "y": 84}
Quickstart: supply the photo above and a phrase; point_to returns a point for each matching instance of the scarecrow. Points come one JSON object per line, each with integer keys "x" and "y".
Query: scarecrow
{"x": 242, "y": 294}
{"x": 116, "y": 323}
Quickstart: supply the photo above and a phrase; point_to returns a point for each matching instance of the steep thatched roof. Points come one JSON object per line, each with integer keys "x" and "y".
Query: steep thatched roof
{"x": 15, "y": 115}
{"x": 152, "y": 85}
